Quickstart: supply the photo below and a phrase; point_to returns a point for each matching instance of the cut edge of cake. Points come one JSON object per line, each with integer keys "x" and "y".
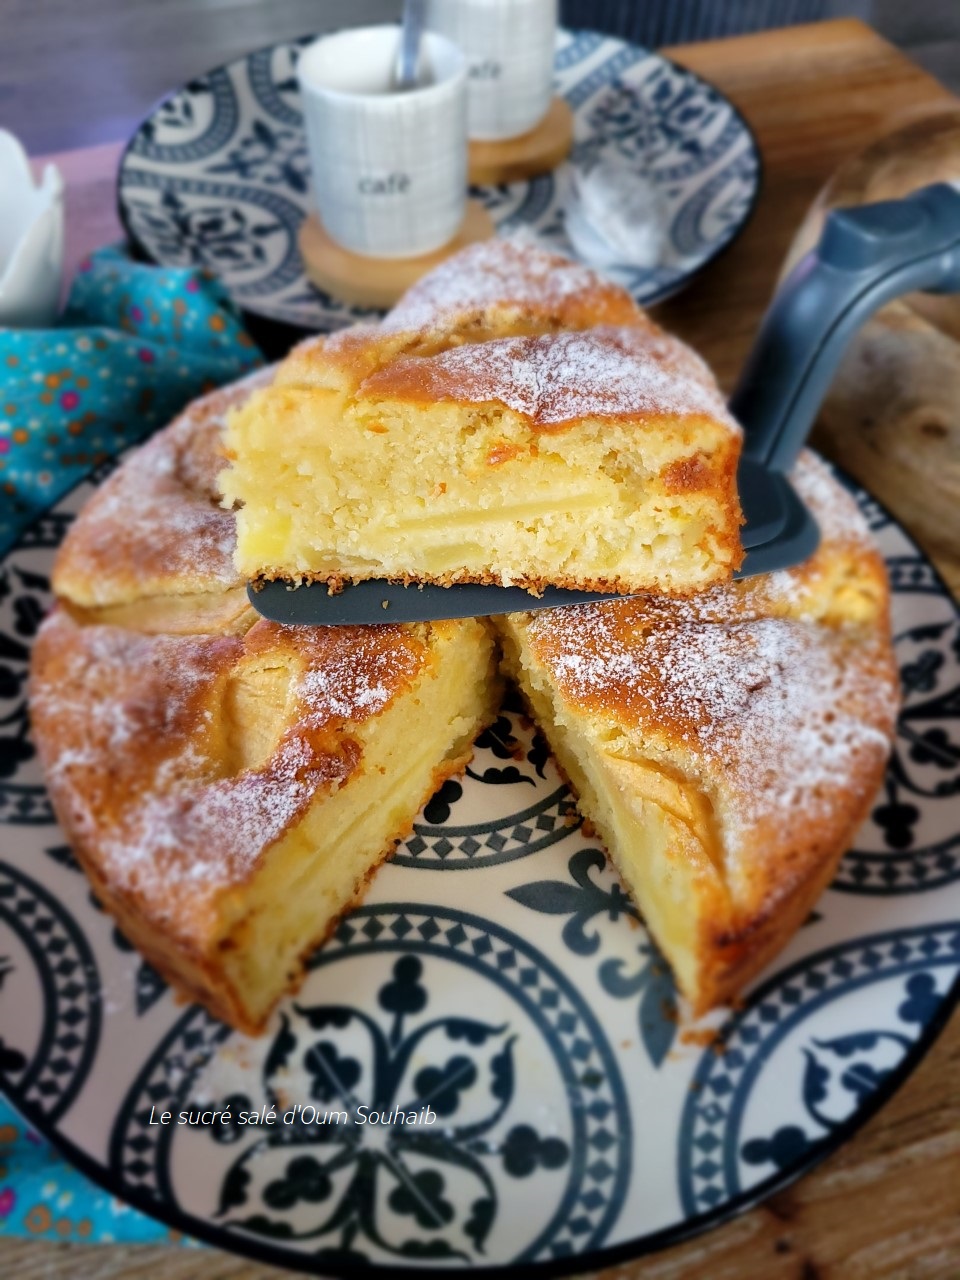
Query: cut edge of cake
{"x": 474, "y": 465}
{"x": 261, "y": 798}
{"x": 548, "y": 437}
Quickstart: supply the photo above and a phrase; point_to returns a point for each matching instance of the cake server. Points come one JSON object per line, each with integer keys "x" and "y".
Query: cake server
{"x": 866, "y": 257}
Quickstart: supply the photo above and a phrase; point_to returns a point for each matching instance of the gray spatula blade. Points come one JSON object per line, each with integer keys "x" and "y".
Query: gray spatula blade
{"x": 378, "y": 601}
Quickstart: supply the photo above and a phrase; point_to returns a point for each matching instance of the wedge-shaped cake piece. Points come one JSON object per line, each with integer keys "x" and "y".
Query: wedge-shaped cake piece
{"x": 230, "y": 795}
{"x": 726, "y": 748}
{"x": 229, "y": 785}
{"x": 542, "y": 434}
{"x": 495, "y": 289}
{"x": 502, "y": 288}
{"x": 154, "y": 542}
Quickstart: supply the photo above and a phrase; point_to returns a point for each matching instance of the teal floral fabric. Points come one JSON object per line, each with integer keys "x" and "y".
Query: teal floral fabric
{"x": 135, "y": 344}
{"x": 43, "y": 1197}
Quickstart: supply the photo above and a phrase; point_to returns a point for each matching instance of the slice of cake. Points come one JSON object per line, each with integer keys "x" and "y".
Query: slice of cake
{"x": 516, "y": 420}
{"x": 230, "y": 785}
{"x": 502, "y": 288}
{"x": 154, "y": 542}
{"x": 726, "y": 748}
{"x": 229, "y": 796}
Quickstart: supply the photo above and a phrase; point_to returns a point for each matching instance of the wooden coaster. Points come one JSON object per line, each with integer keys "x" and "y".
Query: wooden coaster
{"x": 378, "y": 282}
{"x": 538, "y": 151}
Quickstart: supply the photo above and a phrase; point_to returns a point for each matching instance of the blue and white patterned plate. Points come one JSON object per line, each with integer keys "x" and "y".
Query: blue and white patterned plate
{"x": 497, "y": 972}
{"x": 217, "y": 175}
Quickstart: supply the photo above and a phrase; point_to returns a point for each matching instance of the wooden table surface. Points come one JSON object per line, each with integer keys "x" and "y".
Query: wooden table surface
{"x": 886, "y": 1205}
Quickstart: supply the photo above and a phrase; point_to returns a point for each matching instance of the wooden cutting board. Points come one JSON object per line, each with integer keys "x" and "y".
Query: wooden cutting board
{"x": 892, "y": 417}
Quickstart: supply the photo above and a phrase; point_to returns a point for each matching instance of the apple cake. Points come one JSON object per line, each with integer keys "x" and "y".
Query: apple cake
{"x": 726, "y": 747}
{"x": 515, "y": 420}
{"x": 230, "y": 785}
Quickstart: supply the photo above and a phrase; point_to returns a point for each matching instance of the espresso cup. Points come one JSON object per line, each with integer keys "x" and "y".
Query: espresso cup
{"x": 389, "y": 167}
{"x": 509, "y": 46}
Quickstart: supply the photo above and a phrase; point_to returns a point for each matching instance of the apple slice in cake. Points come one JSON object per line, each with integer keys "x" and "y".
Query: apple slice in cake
{"x": 545, "y": 433}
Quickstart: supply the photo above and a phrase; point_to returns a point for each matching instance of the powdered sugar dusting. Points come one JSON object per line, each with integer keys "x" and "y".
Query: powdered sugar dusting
{"x": 207, "y": 834}
{"x": 605, "y": 372}
{"x": 836, "y": 511}
{"x": 135, "y": 735}
{"x": 158, "y": 518}
{"x": 113, "y": 689}
{"x": 781, "y": 710}
{"x": 495, "y": 273}
{"x": 356, "y": 680}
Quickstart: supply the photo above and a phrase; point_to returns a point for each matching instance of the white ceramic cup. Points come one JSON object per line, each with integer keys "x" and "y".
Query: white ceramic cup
{"x": 389, "y": 168}
{"x": 509, "y": 45}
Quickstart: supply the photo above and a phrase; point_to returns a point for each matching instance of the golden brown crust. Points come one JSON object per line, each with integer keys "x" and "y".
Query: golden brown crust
{"x": 156, "y": 526}
{"x": 611, "y": 373}
{"x": 767, "y": 706}
{"x": 137, "y": 740}
{"x": 497, "y": 289}
{"x": 736, "y": 953}
{"x": 535, "y": 586}
{"x": 500, "y": 283}
{"x": 169, "y": 802}
{"x": 194, "y": 972}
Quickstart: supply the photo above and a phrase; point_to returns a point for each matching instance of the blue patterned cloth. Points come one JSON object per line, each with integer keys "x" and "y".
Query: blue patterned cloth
{"x": 135, "y": 344}
{"x": 44, "y": 1197}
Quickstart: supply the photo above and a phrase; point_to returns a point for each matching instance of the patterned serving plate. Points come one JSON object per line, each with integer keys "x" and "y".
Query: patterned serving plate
{"x": 496, "y": 973}
{"x": 217, "y": 175}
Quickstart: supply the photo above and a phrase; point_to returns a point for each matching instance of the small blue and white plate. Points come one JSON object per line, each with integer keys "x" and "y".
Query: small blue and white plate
{"x": 496, "y": 973}
{"x": 217, "y": 176}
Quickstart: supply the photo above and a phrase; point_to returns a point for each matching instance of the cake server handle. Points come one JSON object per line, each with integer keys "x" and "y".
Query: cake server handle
{"x": 866, "y": 257}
